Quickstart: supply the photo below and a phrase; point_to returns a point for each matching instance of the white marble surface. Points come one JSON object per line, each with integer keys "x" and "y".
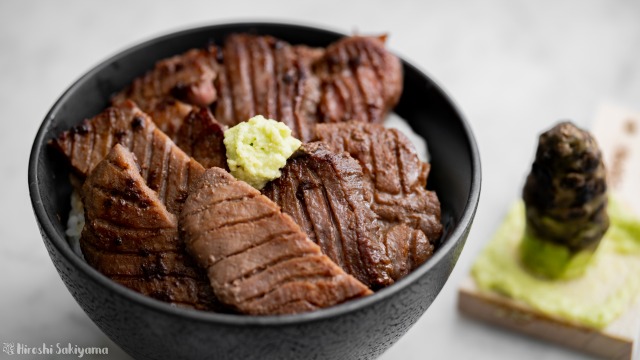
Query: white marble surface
{"x": 514, "y": 68}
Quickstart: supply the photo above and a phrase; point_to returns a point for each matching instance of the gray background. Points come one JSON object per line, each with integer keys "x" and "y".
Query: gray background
{"x": 514, "y": 68}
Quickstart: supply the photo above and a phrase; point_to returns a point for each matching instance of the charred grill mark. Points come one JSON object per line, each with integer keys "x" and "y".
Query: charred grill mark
{"x": 272, "y": 90}
{"x": 148, "y": 155}
{"x": 404, "y": 186}
{"x": 368, "y": 100}
{"x": 296, "y": 120}
{"x": 264, "y": 266}
{"x": 154, "y": 171}
{"x": 335, "y": 226}
{"x": 253, "y": 68}
{"x": 135, "y": 264}
{"x": 239, "y": 221}
{"x": 267, "y": 240}
{"x": 130, "y": 230}
{"x": 210, "y": 206}
{"x": 120, "y": 196}
{"x": 287, "y": 78}
{"x": 104, "y": 143}
{"x": 225, "y": 104}
{"x": 290, "y": 280}
{"x": 119, "y": 248}
{"x": 299, "y": 209}
{"x": 137, "y": 123}
{"x": 326, "y": 235}
{"x": 183, "y": 186}
{"x": 285, "y": 85}
{"x": 342, "y": 91}
{"x": 299, "y": 118}
{"x": 386, "y": 167}
{"x": 89, "y": 154}
{"x": 375, "y": 60}
{"x": 274, "y": 53}
{"x": 164, "y": 173}
{"x": 256, "y": 259}
{"x": 261, "y": 75}
{"x": 89, "y": 141}
{"x": 239, "y": 77}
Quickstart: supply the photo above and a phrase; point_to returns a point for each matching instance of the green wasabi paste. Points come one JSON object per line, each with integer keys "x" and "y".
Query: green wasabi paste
{"x": 605, "y": 290}
{"x": 258, "y": 149}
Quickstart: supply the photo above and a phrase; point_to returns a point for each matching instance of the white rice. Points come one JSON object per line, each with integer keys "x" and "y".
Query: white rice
{"x": 75, "y": 223}
{"x": 76, "y": 215}
{"x": 396, "y": 122}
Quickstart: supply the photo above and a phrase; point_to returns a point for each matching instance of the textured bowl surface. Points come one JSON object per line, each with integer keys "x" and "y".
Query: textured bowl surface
{"x": 360, "y": 329}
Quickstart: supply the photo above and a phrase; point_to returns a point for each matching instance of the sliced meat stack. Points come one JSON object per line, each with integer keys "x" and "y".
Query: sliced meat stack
{"x": 130, "y": 233}
{"x": 361, "y": 80}
{"x": 258, "y": 260}
{"x": 350, "y": 212}
{"x": 265, "y": 76}
{"x": 165, "y": 168}
{"x": 395, "y": 186}
{"x": 323, "y": 192}
{"x": 356, "y": 78}
{"x": 132, "y": 238}
{"x": 174, "y": 92}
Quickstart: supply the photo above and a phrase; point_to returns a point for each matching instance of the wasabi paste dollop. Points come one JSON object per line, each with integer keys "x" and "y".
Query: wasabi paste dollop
{"x": 258, "y": 149}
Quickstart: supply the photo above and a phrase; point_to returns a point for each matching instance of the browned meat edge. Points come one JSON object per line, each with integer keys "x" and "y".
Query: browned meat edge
{"x": 258, "y": 260}
{"x": 323, "y": 192}
{"x": 186, "y": 77}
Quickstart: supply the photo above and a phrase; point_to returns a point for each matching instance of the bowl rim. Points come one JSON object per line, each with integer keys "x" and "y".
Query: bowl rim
{"x": 61, "y": 244}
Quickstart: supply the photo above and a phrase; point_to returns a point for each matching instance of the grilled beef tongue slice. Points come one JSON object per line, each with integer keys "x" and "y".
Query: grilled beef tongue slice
{"x": 394, "y": 184}
{"x": 323, "y": 192}
{"x": 131, "y": 237}
{"x": 168, "y": 114}
{"x": 165, "y": 168}
{"x": 202, "y": 137}
{"x": 360, "y": 80}
{"x": 266, "y": 76}
{"x": 258, "y": 260}
{"x": 186, "y": 77}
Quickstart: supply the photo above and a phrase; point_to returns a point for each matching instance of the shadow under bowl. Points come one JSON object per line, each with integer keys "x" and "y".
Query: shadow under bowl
{"x": 359, "y": 329}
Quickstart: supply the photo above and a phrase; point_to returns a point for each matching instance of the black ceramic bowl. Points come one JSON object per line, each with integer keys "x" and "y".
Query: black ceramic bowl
{"x": 359, "y": 329}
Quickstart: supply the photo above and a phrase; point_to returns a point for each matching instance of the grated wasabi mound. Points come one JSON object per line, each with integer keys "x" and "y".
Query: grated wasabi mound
{"x": 258, "y": 149}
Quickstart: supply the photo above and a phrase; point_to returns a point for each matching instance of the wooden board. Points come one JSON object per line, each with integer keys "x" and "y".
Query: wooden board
{"x": 617, "y": 131}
